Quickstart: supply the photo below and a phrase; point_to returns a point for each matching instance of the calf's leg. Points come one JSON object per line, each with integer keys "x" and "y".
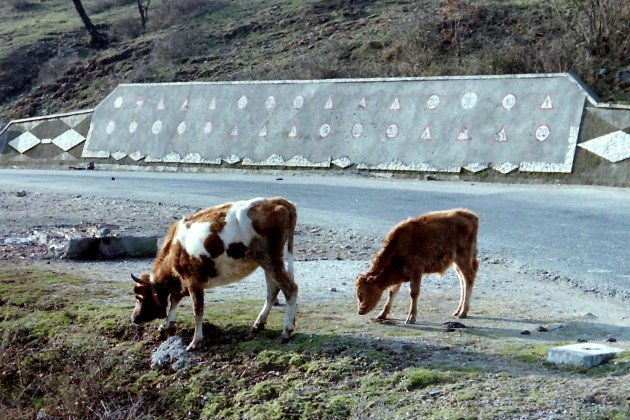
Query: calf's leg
{"x": 414, "y": 292}
{"x": 467, "y": 273}
{"x": 390, "y": 301}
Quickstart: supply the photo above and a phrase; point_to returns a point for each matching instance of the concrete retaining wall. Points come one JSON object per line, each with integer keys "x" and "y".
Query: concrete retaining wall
{"x": 51, "y": 140}
{"x": 507, "y": 128}
{"x": 528, "y": 122}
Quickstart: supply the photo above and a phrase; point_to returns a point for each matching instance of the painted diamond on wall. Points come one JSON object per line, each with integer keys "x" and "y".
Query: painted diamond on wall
{"x": 119, "y": 155}
{"x": 505, "y": 167}
{"x": 476, "y": 167}
{"x": 613, "y": 147}
{"x": 24, "y": 142}
{"x": 68, "y": 140}
{"x": 136, "y": 155}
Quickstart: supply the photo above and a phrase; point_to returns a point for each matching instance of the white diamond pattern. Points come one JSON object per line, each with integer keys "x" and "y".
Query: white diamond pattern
{"x": 613, "y": 147}
{"x": 68, "y": 140}
{"x": 24, "y": 142}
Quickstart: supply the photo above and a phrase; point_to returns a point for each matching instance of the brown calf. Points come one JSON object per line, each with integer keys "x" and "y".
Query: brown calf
{"x": 430, "y": 243}
{"x": 218, "y": 246}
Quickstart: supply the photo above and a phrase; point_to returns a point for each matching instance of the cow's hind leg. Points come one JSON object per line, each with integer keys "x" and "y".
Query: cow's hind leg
{"x": 390, "y": 301}
{"x": 467, "y": 273}
{"x": 289, "y": 289}
{"x": 272, "y": 298}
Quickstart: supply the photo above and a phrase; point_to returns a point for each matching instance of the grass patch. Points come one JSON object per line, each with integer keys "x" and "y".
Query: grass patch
{"x": 78, "y": 356}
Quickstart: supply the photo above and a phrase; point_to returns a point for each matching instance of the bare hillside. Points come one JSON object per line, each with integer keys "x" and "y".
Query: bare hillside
{"x": 49, "y": 65}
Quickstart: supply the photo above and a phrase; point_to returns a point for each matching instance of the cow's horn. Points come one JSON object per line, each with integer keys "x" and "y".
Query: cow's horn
{"x": 136, "y": 279}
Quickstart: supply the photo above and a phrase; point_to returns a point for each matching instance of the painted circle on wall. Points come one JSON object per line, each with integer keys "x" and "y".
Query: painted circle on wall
{"x": 357, "y": 130}
{"x": 508, "y": 102}
{"x": 156, "y": 127}
{"x": 469, "y": 100}
{"x": 298, "y": 102}
{"x": 391, "y": 131}
{"x": 133, "y": 127}
{"x": 542, "y": 132}
{"x": 433, "y": 101}
{"x": 270, "y": 103}
{"x": 111, "y": 126}
{"x": 324, "y": 130}
{"x": 242, "y": 102}
{"x": 181, "y": 127}
{"x": 118, "y": 102}
{"x": 207, "y": 128}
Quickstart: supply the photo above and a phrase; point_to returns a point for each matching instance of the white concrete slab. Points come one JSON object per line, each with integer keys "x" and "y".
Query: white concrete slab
{"x": 582, "y": 354}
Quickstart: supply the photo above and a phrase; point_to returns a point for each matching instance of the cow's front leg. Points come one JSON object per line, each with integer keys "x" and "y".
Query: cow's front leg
{"x": 170, "y": 319}
{"x": 414, "y": 292}
{"x": 197, "y": 299}
{"x": 390, "y": 301}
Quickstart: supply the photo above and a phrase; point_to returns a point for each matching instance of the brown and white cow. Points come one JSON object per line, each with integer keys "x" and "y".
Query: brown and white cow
{"x": 430, "y": 243}
{"x": 218, "y": 246}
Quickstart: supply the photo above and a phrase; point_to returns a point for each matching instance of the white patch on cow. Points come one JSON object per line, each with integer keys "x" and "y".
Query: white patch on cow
{"x": 193, "y": 237}
{"x": 238, "y": 226}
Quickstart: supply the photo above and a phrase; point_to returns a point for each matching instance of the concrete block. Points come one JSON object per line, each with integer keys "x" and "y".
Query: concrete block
{"x": 582, "y": 354}
{"x": 112, "y": 247}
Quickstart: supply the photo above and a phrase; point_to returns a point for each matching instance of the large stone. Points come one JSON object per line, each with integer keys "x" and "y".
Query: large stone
{"x": 112, "y": 247}
{"x": 582, "y": 354}
{"x": 171, "y": 353}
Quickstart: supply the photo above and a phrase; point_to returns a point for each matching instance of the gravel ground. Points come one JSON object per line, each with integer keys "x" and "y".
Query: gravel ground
{"x": 508, "y": 299}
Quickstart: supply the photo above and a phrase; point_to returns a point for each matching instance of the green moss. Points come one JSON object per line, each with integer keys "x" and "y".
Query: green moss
{"x": 416, "y": 378}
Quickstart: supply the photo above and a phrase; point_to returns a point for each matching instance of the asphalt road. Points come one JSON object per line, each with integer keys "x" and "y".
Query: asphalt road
{"x": 580, "y": 232}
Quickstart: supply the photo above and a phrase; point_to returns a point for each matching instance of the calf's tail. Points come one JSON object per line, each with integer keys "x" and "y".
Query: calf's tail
{"x": 292, "y": 224}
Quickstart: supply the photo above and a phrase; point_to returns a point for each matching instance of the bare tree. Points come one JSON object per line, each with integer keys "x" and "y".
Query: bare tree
{"x": 98, "y": 39}
{"x": 143, "y": 8}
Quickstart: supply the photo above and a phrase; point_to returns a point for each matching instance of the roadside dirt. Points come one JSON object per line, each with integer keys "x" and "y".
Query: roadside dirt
{"x": 508, "y": 299}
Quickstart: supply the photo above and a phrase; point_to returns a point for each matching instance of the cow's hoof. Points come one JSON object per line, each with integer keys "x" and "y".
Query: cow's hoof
{"x": 410, "y": 321}
{"x": 285, "y": 336}
{"x": 460, "y": 316}
{"x": 194, "y": 346}
{"x": 380, "y": 318}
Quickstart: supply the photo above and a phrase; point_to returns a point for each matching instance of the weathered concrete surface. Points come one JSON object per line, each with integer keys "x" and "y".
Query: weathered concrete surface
{"x": 111, "y": 247}
{"x": 442, "y": 124}
{"x": 582, "y": 354}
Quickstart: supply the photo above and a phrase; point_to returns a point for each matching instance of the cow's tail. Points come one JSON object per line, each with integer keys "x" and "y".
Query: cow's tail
{"x": 291, "y": 234}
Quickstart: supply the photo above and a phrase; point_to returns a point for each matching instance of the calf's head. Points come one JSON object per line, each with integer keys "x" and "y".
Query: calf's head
{"x": 368, "y": 293}
{"x": 151, "y": 300}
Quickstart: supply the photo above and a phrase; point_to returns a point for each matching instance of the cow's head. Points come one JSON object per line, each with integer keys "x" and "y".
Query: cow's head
{"x": 368, "y": 293}
{"x": 151, "y": 300}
